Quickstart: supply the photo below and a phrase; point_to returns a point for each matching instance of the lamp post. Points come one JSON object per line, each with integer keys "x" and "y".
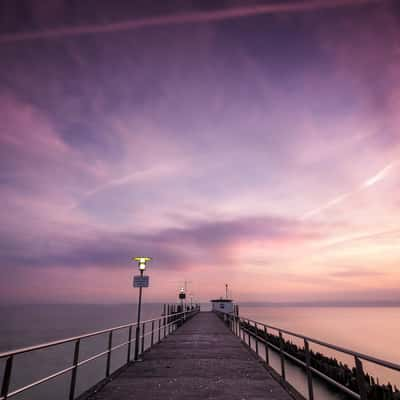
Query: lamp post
{"x": 182, "y": 297}
{"x": 140, "y": 283}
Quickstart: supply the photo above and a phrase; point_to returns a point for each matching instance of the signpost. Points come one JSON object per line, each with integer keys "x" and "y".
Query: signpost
{"x": 140, "y": 281}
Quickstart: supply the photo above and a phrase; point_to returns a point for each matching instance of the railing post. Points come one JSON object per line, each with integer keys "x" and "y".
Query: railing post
{"x": 165, "y": 319}
{"x": 168, "y": 318}
{"x": 6, "y": 377}
{"x": 248, "y": 332}
{"x": 152, "y": 333}
{"x": 110, "y": 335}
{"x": 362, "y": 386}
{"x": 266, "y": 346}
{"x": 283, "y": 374}
{"x": 256, "y": 337}
{"x": 159, "y": 330}
{"x": 128, "y": 358}
{"x": 74, "y": 371}
{"x": 308, "y": 368}
{"x": 143, "y": 329}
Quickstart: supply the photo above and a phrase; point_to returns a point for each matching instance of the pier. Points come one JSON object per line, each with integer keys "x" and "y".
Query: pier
{"x": 192, "y": 354}
{"x": 201, "y": 360}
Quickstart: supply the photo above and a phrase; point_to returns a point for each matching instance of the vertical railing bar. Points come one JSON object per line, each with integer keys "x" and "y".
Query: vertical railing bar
{"x": 170, "y": 320}
{"x": 143, "y": 329}
{"x": 110, "y": 335}
{"x": 266, "y": 346}
{"x": 165, "y": 325}
{"x": 308, "y": 368}
{"x": 283, "y": 374}
{"x": 159, "y": 330}
{"x": 152, "y": 333}
{"x": 74, "y": 371}
{"x": 362, "y": 388}
{"x": 128, "y": 358}
{"x": 249, "y": 337}
{"x": 168, "y": 326}
{"x": 256, "y": 337}
{"x": 6, "y": 377}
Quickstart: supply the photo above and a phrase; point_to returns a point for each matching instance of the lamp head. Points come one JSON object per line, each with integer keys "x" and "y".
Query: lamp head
{"x": 142, "y": 262}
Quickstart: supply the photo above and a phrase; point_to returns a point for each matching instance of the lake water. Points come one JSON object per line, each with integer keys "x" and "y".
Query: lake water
{"x": 374, "y": 331}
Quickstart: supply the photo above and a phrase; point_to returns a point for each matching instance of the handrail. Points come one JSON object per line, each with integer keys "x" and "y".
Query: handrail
{"x": 246, "y": 327}
{"x": 383, "y": 363}
{"x": 73, "y": 338}
{"x": 167, "y": 320}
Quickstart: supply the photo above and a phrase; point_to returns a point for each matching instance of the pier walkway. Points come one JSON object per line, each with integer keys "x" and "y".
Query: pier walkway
{"x": 201, "y": 360}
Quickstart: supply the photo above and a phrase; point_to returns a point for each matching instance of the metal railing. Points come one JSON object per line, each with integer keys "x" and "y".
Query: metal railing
{"x": 159, "y": 328}
{"x": 247, "y": 328}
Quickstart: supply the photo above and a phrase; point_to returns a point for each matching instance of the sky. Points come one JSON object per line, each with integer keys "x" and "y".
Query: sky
{"x": 259, "y": 149}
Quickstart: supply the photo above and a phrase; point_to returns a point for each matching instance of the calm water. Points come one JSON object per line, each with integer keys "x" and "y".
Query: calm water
{"x": 374, "y": 331}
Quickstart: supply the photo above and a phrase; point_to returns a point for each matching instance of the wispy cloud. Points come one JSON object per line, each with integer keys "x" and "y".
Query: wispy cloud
{"x": 184, "y": 18}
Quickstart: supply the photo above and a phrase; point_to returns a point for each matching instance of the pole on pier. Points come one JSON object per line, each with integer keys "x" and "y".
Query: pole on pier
{"x": 308, "y": 368}
{"x": 266, "y": 345}
{"x": 74, "y": 371}
{"x": 165, "y": 320}
{"x": 362, "y": 385}
{"x": 283, "y": 373}
{"x": 140, "y": 282}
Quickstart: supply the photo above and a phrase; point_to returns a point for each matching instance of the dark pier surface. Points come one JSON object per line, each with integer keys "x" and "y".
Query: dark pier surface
{"x": 201, "y": 360}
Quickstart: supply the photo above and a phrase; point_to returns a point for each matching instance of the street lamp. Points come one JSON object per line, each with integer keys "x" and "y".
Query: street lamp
{"x": 140, "y": 281}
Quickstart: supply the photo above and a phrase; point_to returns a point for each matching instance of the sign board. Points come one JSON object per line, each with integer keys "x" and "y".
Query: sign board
{"x": 182, "y": 296}
{"x": 140, "y": 281}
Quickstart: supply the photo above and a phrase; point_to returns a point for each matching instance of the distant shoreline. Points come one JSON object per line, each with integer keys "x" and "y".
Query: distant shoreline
{"x": 242, "y": 304}
{"x": 322, "y": 304}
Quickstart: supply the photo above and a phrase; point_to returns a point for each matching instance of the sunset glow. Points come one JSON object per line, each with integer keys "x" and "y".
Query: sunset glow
{"x": 262, "y": 151}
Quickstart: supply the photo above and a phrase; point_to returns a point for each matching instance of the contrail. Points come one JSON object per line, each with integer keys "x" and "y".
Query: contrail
{"x": 369, "y": 182}
{"x": 183, "y": 18}
{"x": 360, "y": 237}
{"x": 378, "y": 177}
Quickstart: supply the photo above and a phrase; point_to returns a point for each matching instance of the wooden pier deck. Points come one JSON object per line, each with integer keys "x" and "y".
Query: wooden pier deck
{"x": 201, "y": 360}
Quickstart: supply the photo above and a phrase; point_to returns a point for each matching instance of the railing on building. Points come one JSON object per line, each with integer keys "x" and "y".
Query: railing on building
{"x": 159, "y": 328}
{"x": 247, "y": 328}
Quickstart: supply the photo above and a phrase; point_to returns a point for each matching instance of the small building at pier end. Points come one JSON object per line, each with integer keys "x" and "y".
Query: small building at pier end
{"x": 223, "y": 305}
